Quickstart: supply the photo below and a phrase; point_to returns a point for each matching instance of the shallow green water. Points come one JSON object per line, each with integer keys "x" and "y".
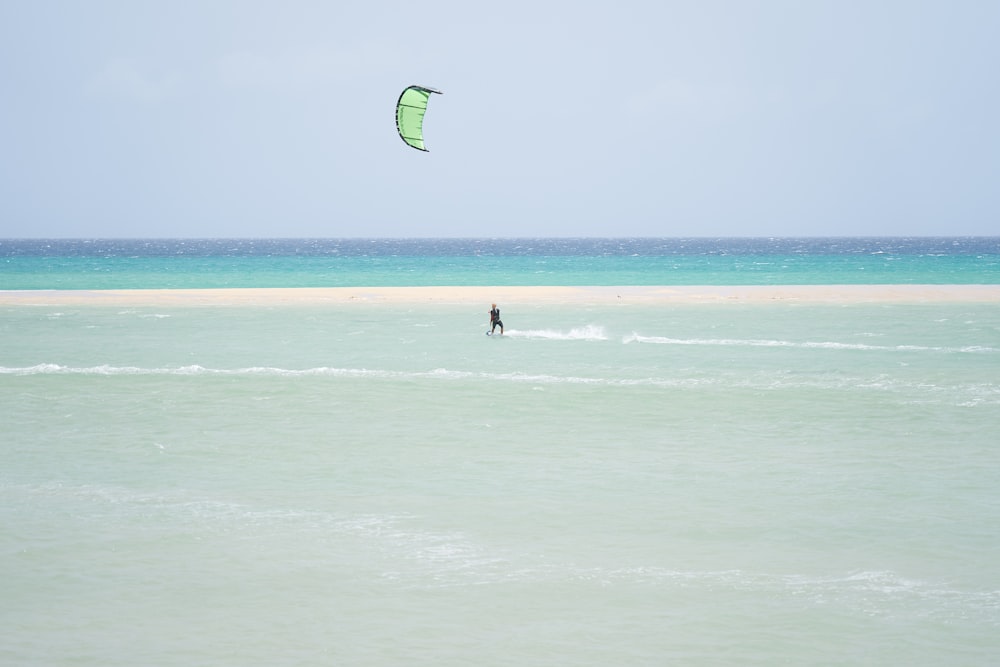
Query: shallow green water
{"x": 374, "y": 484}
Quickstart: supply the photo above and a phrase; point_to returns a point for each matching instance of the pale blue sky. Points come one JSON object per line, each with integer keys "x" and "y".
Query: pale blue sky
{"x": 703, "y": 118}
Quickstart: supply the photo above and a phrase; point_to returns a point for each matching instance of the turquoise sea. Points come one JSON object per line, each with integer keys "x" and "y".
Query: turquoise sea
{"x": 217, "y": 263}
{"x": 381, "y": 484}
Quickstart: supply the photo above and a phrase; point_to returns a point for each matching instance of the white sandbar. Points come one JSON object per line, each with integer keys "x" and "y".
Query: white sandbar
{"x": 508, "y": 295}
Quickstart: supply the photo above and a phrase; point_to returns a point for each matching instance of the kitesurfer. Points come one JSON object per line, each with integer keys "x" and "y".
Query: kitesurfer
{"x": 495, "y": 320}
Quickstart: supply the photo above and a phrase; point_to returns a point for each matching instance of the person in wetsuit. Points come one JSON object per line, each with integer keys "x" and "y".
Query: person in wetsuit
{"x": 495, "y": 320}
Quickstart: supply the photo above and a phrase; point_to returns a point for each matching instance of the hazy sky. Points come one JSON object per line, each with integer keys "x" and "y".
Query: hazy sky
{"x": 202, "y": 118}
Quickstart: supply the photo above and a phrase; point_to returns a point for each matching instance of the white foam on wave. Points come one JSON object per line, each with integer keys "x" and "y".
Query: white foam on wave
{"x": 197, "y": 370}
{"x": 58, "y": 369}
{"x": 966, "y": 395}
{"x": 141, "y": 315}
{"x": 38, "y": 369}
{"x": 822, "y": 345}
{"x": 590, "y": 332}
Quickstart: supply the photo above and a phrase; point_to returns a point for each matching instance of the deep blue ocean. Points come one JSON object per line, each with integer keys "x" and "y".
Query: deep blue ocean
{"x": 219, "y": 263}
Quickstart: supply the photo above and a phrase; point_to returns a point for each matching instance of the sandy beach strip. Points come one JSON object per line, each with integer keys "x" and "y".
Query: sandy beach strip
{"x": 665, "y": 295}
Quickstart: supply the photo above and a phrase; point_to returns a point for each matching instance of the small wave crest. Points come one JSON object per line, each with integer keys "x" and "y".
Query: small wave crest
{"x": 195, "y": 370}
{"x": 967, "y": 394}
{"x": 589, "y": 332}
{"x": 808, "y": 345}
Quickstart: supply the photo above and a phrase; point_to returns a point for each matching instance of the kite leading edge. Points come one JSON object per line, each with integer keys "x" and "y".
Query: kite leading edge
{"x": 410, "y": 111}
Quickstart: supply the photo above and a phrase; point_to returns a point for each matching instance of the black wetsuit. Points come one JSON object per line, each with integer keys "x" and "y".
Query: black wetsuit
{"x": 495, "y": 320}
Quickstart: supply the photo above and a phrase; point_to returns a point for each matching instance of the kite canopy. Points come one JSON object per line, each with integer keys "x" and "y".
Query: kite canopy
{"x": 410, "y": 111}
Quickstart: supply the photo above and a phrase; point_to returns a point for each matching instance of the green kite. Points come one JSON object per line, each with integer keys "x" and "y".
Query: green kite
{"x": 410, "y": 111}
